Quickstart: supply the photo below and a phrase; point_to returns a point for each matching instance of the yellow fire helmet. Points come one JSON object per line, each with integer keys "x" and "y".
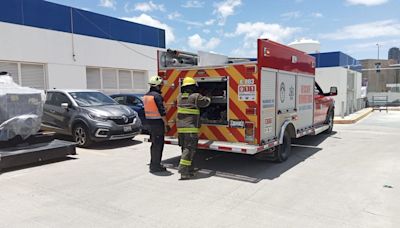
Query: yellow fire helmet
{"x": 188, "y": 81}
{"x": 155, "y": 81}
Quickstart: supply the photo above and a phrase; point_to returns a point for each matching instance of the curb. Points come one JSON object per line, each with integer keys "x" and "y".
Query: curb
{"x": 354, "y": 120}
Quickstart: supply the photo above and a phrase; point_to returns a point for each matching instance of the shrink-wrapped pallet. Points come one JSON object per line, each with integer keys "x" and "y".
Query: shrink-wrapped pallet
{"x": 21, "y": 109}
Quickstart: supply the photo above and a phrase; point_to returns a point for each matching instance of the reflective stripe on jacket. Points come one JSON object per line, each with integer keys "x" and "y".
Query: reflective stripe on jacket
{"x": 150, "y": 108}
{"x": 188, "y": 118}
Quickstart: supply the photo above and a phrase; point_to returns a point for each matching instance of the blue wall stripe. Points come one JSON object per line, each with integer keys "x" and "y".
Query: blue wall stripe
{"x": 47, "y": 15}
{"x": 333, "y": 59}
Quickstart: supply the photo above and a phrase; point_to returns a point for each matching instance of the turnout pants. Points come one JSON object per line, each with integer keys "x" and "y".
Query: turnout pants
{"x": 157, "y": 143}
{"x": 188, "y": 142}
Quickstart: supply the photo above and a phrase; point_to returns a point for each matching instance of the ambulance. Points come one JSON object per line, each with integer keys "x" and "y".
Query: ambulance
{"x": 257, "y": 105}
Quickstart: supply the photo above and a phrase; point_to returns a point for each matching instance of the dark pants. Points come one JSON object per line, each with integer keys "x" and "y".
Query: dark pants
{"x": 188, "y": 142}
{"x": 157, "y": 142}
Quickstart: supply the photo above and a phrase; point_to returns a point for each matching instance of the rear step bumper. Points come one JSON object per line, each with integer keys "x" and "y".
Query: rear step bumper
{"x": 242, "y": 148}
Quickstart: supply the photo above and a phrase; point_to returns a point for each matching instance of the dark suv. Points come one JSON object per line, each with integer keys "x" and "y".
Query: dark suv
{"x": 88, "y": 116}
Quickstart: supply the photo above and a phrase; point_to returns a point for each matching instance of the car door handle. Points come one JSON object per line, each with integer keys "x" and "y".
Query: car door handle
{"x": 52, "y": 111}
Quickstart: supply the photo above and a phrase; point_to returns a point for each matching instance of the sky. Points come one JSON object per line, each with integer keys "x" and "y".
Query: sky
{"x": 231, "y": 27}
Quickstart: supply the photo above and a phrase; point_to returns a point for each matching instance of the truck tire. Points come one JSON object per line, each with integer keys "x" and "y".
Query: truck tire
{"x": 80, "y": 134}
{"x": 329, "y": 120}
{"x": 283, "y": 151}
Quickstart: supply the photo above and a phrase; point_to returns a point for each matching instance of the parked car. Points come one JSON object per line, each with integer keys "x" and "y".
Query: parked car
{"x": 135, "y": 102}
{"x": 88, "y": 116}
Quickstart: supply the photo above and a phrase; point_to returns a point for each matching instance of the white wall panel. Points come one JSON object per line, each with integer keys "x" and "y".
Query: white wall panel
{"x": 334, "y": 76}
{"x": 33, "y": 75}
{"x": 66, "y": 76}
{"x": 29, "y": 44}
{"x": 12, "y": 69}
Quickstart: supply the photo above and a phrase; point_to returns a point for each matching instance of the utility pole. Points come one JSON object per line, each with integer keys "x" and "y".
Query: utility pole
{"x": 377, "y": 44}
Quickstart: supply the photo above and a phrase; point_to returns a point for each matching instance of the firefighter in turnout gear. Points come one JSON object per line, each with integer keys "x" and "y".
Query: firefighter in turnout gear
{"x": 188, "y": 124}
{"x": 155, "y": 116}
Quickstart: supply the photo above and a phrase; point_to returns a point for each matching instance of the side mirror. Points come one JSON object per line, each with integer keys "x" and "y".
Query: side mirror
{"x": 65, "y": 106}
{"x": 333, "y": 91}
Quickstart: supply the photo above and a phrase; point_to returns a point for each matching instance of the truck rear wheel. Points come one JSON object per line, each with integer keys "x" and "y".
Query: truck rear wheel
{"x": 283, "y": 151}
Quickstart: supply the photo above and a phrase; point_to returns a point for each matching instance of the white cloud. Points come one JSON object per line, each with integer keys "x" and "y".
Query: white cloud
{"x": 206, "y": 31}
{"x": 252, "y": 31}
{"x": 317, "y": 15}
{"x": 148, "y": 20}
{"x": 304, "y": 40}
{"x": 367, "y": 30}
{"x": 149, "y": 6}
{"x": 366, "y": 2}
{"x": 291, "y": 15}
{"x": 193, "y": 4}
{"x": 209, "y": 22}
{"x": 225, "y": 9}
{"x": 174, "y": 15}
{"x": 128, "y": 8}
{"x": 196, "y": 42}
{"x": 369, "y": 49}
{"x": 108, "y": 4}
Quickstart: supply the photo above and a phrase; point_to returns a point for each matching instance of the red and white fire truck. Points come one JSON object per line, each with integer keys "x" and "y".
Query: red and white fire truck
{"x": 258, "y": 105}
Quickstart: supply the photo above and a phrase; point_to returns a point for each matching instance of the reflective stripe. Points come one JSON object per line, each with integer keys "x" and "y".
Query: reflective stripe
{"x": 185, "y": 162}
{"x": 188, "y": 130}
{"x": 188, "y": 111}
{"x": 185, "y": 95}
{"x": 153, "y": 117}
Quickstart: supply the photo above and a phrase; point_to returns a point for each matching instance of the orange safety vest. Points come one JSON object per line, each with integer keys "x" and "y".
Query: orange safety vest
{"x": 150, "y": 108}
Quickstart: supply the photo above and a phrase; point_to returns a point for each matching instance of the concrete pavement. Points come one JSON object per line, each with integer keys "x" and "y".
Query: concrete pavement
{"x": 342, "y": 180}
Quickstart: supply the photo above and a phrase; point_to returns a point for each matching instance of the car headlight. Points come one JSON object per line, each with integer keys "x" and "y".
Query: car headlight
{"x": 135, "y": 117}
{"x": 98, "y": 117}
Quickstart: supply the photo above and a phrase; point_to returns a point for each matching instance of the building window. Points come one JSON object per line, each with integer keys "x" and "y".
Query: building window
{"x": 26, "y": 74}
{"x": 125, "y": 79}
{"x": 111, "y": 80}
{"x": 93, "y": 79}
{"x": 139, "y": 80}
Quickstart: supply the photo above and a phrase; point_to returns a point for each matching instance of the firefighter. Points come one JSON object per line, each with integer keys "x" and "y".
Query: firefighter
{"x": 188, "y": 124}
{"x": 155, "y": 117}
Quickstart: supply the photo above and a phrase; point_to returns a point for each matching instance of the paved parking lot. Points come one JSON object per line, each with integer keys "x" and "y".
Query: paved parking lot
{"x": 350, "y": 179}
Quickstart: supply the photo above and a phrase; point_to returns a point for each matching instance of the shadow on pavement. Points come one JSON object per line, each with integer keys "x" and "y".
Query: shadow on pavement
{"x": 105, "y": 145}
{"x": 52, "y": 161}
{"x": 246, "y": 167}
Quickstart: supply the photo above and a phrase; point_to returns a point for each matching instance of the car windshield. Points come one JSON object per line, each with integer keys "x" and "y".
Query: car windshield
{"x": 140, "y": 96}
{"x": 86, "y": 99}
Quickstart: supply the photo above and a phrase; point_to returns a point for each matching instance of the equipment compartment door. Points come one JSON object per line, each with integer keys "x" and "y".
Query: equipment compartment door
{"x": 268, "y": 104}
{"x": 286, "y": 92}
{"x": 305, "y": 101}
{"x": 217, "y": 89}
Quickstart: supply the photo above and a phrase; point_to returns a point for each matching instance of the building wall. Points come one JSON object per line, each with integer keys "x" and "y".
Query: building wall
{"x": 327, "y": 77}
{"x": 55, "y": 49}
{"x": 56, "y": 17}
{"x": 377, "y": 81}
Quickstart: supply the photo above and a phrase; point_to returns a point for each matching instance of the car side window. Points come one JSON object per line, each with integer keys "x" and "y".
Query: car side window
{"x": 59, "y": 98}
{"x": 132, "y": 101}
{"x": 120, "y": 100}
{"x": 49, "y": 98}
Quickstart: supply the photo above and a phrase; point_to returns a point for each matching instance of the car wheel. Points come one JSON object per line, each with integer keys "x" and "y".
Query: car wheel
{"x": 329, "y": 121}
{"x": 81, "y": 135}
{"x": 283, "y": 151}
